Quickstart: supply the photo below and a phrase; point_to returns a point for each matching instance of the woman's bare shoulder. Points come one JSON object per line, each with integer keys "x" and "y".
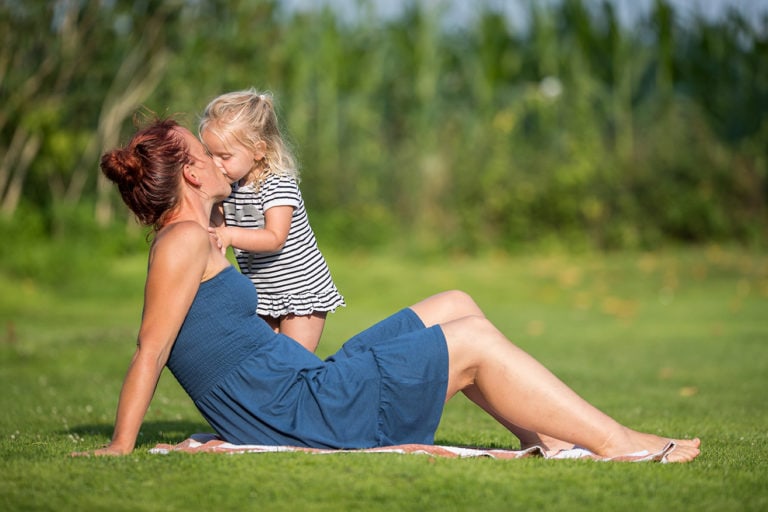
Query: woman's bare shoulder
{"x": 187, "y": 229}
{"x": 183, "y": 239}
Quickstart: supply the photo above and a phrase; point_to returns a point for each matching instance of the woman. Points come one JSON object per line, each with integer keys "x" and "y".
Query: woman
{"x": 385, "y": 386}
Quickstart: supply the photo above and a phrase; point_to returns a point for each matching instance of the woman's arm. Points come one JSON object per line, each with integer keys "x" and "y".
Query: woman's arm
{"x": 277, "y": 224}
{"x": 177, "y": 264}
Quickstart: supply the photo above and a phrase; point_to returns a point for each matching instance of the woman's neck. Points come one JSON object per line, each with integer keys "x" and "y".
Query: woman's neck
{"x": 192, "y": 209}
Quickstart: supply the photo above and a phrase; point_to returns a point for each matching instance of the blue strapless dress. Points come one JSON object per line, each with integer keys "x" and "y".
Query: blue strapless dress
{"x": 385, "y": 386}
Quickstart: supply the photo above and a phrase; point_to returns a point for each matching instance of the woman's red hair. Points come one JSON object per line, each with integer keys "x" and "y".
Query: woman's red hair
{"x": 147, "y": 171}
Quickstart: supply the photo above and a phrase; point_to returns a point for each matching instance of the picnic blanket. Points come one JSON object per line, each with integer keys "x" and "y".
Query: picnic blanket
{"x": 210, "y": 443}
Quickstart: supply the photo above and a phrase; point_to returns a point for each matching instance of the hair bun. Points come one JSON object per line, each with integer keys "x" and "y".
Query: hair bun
{"x": 122, "y": 166}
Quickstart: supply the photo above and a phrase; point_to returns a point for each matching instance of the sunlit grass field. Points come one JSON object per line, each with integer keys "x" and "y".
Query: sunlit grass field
{"x": 673, "y": 342}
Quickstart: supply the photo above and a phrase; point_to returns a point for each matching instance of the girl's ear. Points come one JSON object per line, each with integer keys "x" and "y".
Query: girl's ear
{"x": 259, "y": 150}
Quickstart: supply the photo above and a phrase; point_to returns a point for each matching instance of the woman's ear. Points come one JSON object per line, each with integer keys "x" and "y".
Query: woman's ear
{"x": 190, "y": 175}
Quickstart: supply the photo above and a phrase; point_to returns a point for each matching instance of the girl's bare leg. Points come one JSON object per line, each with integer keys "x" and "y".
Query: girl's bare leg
{"x": 273, "y": 322}
{"x": 306, "y": 329}
{"x": 518, "y": 390}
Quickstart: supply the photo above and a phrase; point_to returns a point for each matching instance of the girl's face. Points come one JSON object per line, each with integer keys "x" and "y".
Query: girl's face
{"x": 204, "y": 169}
{"x": 232, "y": 158}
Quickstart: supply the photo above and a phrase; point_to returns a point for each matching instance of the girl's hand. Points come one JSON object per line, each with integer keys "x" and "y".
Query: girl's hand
{"x": 216, "y": 240}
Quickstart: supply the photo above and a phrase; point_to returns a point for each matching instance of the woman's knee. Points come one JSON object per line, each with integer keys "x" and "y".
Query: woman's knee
{"x": 446, "y": 307}
{"x": 462, "y": 304}
{"x": 472, "y": 341}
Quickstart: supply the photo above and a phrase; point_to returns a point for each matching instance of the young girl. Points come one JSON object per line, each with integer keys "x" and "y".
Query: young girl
{"x": 264, "y": 219}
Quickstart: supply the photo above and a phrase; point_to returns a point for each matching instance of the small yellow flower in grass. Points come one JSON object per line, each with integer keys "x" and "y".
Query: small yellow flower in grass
{"x": 582, "y": 301}
{"x": 623, "y": 309}
{"x": 535, "y": 328}
{"x": 687, "y": 391}
{"x": 666, "y": 373}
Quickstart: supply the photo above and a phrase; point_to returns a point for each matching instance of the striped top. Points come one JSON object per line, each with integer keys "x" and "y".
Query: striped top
{"x": 296, "y": 279}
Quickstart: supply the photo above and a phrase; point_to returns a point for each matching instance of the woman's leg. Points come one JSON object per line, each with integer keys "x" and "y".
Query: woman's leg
{"x": 549, "y": 444}
{"x": 453, "y": 305}
{"x": 519, "y": 391}
{"x": 445, "y": 307}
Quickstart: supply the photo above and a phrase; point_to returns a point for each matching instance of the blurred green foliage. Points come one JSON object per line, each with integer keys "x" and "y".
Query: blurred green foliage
{"x": 579, "y": 132}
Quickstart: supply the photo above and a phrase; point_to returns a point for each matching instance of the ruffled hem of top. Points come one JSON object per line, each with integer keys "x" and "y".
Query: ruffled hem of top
{"x": 301, "y": 304}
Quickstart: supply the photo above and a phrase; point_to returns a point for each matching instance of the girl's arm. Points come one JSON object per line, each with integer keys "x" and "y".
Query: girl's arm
{"x": 217, "y": 216}
{"x": 277, "y": 224}
{"x": 177, "y": 264}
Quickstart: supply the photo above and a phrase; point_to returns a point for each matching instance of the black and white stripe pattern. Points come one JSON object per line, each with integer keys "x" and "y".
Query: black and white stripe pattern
{"x": 295, "y": 279}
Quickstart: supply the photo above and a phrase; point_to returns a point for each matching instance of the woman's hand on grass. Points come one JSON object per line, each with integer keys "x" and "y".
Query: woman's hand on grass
{"x": 108, "y": 450}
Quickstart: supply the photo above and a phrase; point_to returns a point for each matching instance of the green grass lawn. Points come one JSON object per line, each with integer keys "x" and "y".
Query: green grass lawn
{"x": 672, "y": 342}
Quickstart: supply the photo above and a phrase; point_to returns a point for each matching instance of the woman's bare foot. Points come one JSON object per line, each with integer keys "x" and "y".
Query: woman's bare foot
{"x": 682, "y": 453}
{"x": 685, "y": 450}
{"x": 550, "y": 445}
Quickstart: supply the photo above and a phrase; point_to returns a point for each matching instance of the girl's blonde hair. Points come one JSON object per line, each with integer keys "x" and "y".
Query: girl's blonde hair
{"x": 249, "y": 117}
